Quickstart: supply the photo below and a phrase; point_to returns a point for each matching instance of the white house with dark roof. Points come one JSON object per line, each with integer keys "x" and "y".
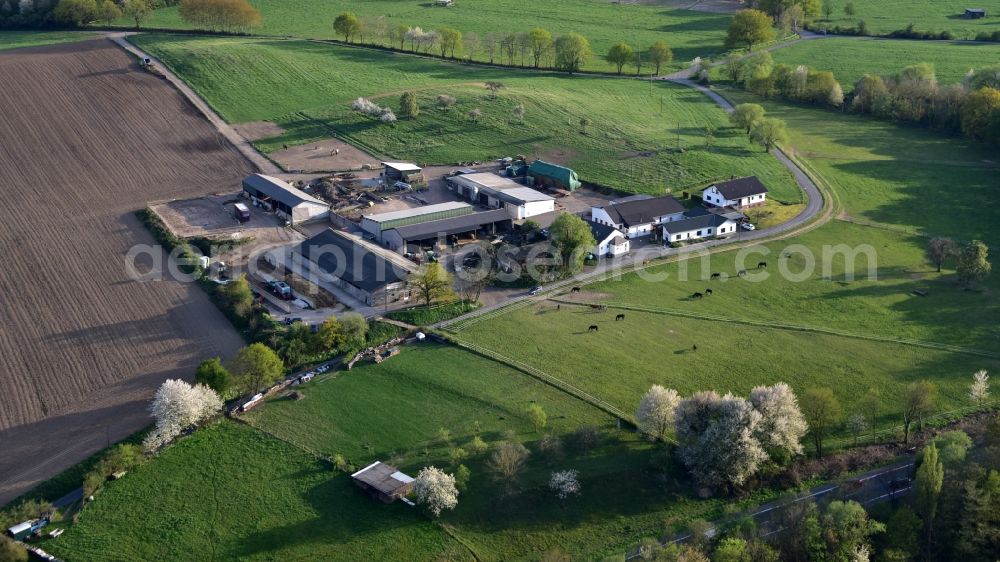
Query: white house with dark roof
{"x": 698, "y": 224}
{"x": 738, "y": 193}
{"x": 610, "y": 241}
{"x": 637, "y": 217}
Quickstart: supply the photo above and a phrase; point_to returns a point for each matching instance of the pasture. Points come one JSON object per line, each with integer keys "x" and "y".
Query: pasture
{"x": 83, "y": 345}
{"x": 20, "y": 39}
{"x": 623, "y": 359}
{"x": 630, "y": 143}
{"x": 231, "y": 492}
{"x": 903, "y": 177}
{"x": 235, "y": 492}
{"x": 689, "y": 33}
{"x": 856, "y": 56}
{"x": 884, "y": 16}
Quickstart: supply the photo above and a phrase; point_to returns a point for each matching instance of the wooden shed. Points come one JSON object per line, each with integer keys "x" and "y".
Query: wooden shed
{"x": 975, "y": 13}
{"x": 383, "y": 481}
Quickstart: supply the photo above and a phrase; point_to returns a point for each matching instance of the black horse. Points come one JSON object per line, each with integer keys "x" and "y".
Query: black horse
{"x": 619, "y": 317}
{"x": 708, "y": 292}
{"x": 593, "y": 328}
{"x": 762, "y": 264}
{"x": 696, "y": 296}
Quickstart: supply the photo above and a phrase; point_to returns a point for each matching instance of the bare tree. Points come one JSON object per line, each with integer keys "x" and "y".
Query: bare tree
{"x": 917, "y": 403}
{"x": 940, "y": 249}
{"x": 507, "y": 461}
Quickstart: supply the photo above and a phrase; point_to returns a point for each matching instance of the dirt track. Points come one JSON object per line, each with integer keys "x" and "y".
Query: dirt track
{"x": 86, "y": 138}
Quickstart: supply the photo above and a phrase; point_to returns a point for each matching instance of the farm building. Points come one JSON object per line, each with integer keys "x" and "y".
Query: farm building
{"x": 429, "y": 233}
{"x": 610, "y": 241}
{"x": 399, "y": 171}
{"x": 291, "y": 204}
{"x": 375, "y": 224}
{"x": 738, "y": 193}
{"x": 698, "y": 224}
{"x": 499, "y": 192}
{"x": 639, "y": 215}
{"x": 383, "y": 482}
{"x": 975, "y": 13}
{"x": 553, "y": 175}
{"x": 365, "y": 272}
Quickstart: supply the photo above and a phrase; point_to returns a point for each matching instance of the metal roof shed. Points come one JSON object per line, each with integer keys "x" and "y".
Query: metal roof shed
{"x": 547, "y": 173}
{"x": 291, "y": 203}
{"x": 382, "y": 481}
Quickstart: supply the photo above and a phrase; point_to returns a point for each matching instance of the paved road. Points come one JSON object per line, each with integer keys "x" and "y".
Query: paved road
{"x": 262, "y": 164}
{"x": 874, "y": 487}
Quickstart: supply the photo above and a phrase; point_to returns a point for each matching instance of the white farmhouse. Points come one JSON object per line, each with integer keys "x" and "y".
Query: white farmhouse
{"x": 637, "y": 217}
{"x": 738, "y": 193}
{"x": 698, "y": 224}
{"x": 610, "y": 241}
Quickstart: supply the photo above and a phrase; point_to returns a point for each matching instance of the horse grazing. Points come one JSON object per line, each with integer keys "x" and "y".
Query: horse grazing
{"x": 708, "y": 292}
{"x": 619, "y": 317}
{"x": 762, "y": 264}
{"x": 742, "y": 273}
{"x": 716, "y": 276}
{"x": 696, "y": 296}
{"x": 575, "y": 290}
{"x": 593, "y": 328}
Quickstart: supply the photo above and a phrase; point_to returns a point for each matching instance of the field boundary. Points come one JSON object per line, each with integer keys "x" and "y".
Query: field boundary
{"x": 544, "y": 377}
{"x": 789, "y": 327}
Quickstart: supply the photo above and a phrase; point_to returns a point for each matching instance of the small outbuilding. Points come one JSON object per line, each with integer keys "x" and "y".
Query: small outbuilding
{"x": 444, "y": 3}
{"x": 383, "y": 482}
{"x": 399, "y": 171}
{"x": 975, "y": 13}
{"x": 287, "y": 201}
{"x": 553, "y": 175}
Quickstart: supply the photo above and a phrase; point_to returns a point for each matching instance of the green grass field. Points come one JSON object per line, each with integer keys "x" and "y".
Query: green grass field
{"x": 621, "y": 361}
{"x": 906, "y": 177}
{"x": 690, "y": 34}
{"x": 855, "y": 57}
{"x": 307, "y": 88}
{"x": 230, "y": 492}
{"x": 19, "y": 39}
{"x": 884, "y": 16}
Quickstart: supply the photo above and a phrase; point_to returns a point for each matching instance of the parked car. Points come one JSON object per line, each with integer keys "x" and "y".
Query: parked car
{"x": 749, "y": 226}
{"x": 402, "y": 186}
{"x": 281, "y": 289}
{"x": 472, "y": 260}
{"x": 535, "y": 290}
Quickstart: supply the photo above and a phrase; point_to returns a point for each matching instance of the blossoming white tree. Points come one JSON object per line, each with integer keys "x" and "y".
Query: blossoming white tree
{"x": 176, "y": 406}
{"x": 436, "y": 490}
{"x": 717, "y": 438}
{"x": 565, "y": 483}
{"x": 655, "y": 414}
{"x": 782, "y": 425}
{"x": 979, "y": 390}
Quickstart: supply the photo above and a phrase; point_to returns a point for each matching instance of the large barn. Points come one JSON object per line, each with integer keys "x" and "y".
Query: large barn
{"x": 499, "y": 192}
{"x": 369, "y": 274}
{"x": 288, "y": 202}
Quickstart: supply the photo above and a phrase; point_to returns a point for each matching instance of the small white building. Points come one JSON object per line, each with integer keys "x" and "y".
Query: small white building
{"x": 287, "y": 201}
{"x": 698, "y": 224}
{"x": 638, "y": 216}
{"x": 498, "y": 192}
{"x": 610, "y": 241}
{"x": 738, "y": 193}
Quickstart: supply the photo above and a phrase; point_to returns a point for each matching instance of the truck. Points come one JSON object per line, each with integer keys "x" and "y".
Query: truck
{"x": 241, "y": 212}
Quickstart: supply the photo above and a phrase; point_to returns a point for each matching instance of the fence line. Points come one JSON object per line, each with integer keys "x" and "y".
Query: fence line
{"x": 545, "y": 378}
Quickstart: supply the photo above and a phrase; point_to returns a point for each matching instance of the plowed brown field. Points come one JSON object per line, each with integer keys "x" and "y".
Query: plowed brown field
{"x": 86, "y": 138}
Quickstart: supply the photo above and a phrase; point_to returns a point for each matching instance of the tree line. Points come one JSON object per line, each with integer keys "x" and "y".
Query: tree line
{"x": 220, "y": 15}
{"x": 535, "y": 48}
{"x": 912, "y": 95}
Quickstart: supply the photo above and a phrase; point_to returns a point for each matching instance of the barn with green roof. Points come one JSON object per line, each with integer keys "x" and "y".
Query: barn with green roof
{"x": 553, "y": 175}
